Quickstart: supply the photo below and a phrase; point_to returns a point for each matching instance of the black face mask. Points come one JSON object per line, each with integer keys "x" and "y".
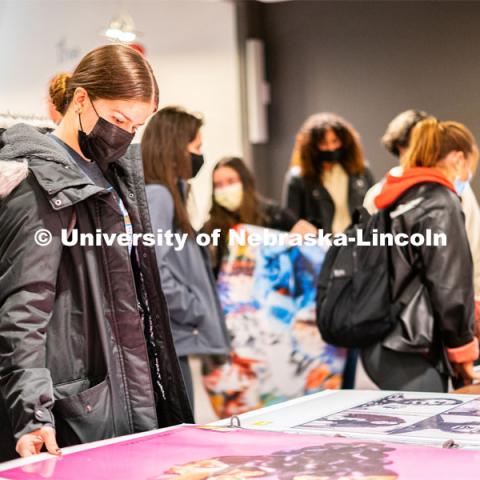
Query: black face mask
{"x": 329, "y": 156}
{"x": 105, "y": 143}
{"x": 197, "y": 163}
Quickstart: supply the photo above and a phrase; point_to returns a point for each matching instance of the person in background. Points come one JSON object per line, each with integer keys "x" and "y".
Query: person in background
{"x": 56, "y": 87}
{"x": 329, "y": 183}
{"x": 396, "y": 140}
{"x": 440, "y": 160}
{"x": 235, "y": 200}
{"x": 332, "y": 178}
{"x": 86, "y": 351}
{"x": 172, "y": 154}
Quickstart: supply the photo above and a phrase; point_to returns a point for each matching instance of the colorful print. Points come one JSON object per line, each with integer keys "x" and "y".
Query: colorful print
{"x": 268, "y": 296}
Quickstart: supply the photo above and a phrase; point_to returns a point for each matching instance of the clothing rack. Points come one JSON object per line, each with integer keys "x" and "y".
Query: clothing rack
{"x": 7, "y": 119}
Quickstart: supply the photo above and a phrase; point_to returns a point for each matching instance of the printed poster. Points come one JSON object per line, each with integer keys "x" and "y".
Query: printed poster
{"x": 191, "y": 453}
{"x": 406, "y": 417}
{"x": 268, "y": 296}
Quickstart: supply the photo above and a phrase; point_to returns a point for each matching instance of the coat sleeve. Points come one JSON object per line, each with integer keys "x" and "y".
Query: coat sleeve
{"x": 448, "y": 277}
{"x": 183, "y": 305}
{"x": 293, "y": 194}
{"x": 28, "y": 274}
{"x": 472, "y": 224}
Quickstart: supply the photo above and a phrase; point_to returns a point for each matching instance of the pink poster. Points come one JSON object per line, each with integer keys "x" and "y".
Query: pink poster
{"x": 193, "y": 453}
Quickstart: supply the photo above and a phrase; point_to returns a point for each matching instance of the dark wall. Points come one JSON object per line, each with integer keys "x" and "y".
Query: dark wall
{"x": 366, "y": 61}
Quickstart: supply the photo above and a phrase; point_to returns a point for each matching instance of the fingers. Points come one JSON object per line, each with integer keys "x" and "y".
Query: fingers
{"x": 32, "y": 443}
{"x": 48, "y": 434}
{"x": 467, "y": 372}
{"x": 29, "y": 445}
{"x": 25, "y": 450}
{"x": 472, "y": 374}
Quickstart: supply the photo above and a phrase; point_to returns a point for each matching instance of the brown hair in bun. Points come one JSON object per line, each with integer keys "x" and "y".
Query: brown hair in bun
{"x": 112, "y": 72}
{"x": 57, "y": 90}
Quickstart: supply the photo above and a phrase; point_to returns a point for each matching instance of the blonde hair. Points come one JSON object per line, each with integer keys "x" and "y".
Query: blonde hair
{"x": 432, "y": 141}
{"x": 56, "y": 91}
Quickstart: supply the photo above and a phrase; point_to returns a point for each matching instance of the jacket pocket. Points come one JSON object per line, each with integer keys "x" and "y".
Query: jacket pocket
{"x": 413, "y": 332}
{"x": 86, "y": 416}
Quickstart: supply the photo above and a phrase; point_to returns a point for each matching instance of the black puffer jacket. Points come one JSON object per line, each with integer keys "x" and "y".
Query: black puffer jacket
{"x": 75, "y": 351}
{"x": 312, "y": 202}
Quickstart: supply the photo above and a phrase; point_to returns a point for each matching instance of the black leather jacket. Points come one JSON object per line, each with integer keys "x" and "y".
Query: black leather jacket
{"x": 312, "y": 202}
{"x": 77, "y": 351}
{"x": 444, "y": 301}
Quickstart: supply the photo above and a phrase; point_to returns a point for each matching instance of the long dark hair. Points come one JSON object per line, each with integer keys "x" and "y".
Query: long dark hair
{"x": 313, "y": 132}
{"x": 249, "y": 211}
{"x": 166, "y": 158}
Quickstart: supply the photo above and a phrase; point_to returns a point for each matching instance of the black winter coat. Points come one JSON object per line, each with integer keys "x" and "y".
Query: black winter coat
{"x": 77, "y": 348}
{"x": 312, "y": 202}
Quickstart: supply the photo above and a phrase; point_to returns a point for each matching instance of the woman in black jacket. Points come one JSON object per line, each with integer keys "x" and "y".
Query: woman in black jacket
{"x": 434, "y": 338}
{"x": 86, "y": 351}
{"x": 331, "y": 179}
{"x": 235, "y": 201}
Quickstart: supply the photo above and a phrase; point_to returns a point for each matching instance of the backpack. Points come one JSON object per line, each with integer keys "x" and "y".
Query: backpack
{"x": 354, "y": 304}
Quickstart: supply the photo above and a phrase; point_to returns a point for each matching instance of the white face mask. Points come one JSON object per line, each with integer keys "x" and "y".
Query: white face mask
{"x": 229, "y": 197}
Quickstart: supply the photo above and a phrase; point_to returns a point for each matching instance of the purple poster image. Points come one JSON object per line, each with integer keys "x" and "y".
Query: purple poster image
{"x": 200, "y": 453}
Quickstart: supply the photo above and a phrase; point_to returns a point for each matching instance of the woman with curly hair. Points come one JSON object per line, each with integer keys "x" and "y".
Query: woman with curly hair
{"x": 331, "y": 178}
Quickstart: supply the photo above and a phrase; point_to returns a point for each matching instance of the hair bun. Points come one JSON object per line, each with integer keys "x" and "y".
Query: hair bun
{"x": 57, "y": 90}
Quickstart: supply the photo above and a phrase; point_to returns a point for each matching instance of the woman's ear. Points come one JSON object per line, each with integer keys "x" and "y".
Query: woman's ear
{"x": 80, "y": 97}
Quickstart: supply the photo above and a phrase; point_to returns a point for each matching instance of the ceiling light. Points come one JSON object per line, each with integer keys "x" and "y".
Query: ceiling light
{"x": 121, "y": 29}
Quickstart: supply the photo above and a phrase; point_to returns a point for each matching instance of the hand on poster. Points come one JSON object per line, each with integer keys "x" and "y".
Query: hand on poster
{"x": 32, "y": 443}
{"x": 189, "y": 453}
{"x": 467, "y": 372}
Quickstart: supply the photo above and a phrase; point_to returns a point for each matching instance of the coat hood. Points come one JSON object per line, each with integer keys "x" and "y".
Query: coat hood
{"x": 23, "y": 146}
{"x": 18, "y": 144}
{"x": 23, "y": 141}
{"x": 11, "y": 175}
{"x": 395, "y": 186}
